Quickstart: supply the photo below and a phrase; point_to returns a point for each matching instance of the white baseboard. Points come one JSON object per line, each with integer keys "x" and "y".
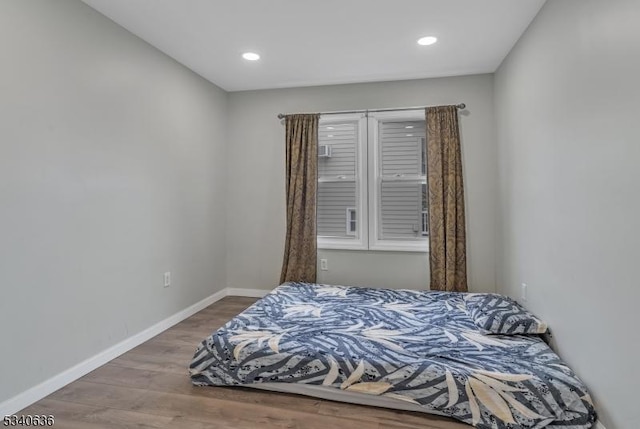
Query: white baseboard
{"x": 598, "y": 425}
{"x": 253, "y": 293}
{"x": 34, "y": 394}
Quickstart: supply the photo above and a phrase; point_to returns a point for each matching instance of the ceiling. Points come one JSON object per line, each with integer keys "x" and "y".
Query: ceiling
{"x": 305, "y": 42}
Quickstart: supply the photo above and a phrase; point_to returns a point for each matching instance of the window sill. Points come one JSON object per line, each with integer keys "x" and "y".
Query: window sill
{"x": 339, "y": 246}
{"x": 380, "y": 246}
{"x": 395, "y": 246}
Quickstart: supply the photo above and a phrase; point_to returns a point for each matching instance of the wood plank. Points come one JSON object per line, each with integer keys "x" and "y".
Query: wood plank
{"x": 162, "y": 363}
{"x": 181, "y": 384}
{"x": 77, "y": 416}
{"x": 200, "y": 408}
{"x": 174, "y": 383}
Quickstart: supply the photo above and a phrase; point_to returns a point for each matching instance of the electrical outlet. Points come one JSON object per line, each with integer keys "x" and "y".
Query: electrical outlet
{"x": 167, "y": 279}
{"x": 324, "y": 265}
{"x": 524, "y": 292}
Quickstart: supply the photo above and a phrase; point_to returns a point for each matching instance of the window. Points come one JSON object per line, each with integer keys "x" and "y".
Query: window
{"x": 351, "y": 221}
{"x": 374, "y": 182}
{"x": 342, "y": 182}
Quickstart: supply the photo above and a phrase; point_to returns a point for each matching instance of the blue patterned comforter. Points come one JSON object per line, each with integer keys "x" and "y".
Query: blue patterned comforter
{"x": 414, "y": 346}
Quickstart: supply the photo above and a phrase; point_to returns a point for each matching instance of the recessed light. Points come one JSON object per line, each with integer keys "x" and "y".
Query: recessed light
{"x": 409, "y": 126}
{"x": 426, "y": 41}
{"x": 329, "y": 128}
{"x": 330, "y": 135}
{"x": 251, "y": 56}
{"x": 409, "y": 135}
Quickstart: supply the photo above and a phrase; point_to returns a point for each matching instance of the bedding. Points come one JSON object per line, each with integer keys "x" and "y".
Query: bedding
{"x": 410, "y": 347}
{"x": 500, "y": 314}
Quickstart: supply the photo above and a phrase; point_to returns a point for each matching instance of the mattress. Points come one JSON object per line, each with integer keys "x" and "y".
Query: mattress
{"x": 403, "y": 349}
{"x": 338, "y": 395}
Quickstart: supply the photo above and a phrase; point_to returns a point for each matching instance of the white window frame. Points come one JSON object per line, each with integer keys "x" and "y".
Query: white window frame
{"x": 349, "y": 230}
{"x": 420, "y": 243}
{"x": 425, "y": 222}
{"x": 360, "y": 240}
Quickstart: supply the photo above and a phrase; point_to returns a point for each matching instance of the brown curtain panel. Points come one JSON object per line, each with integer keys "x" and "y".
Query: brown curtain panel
{"x": 447, "y": 236}
{"x": 300, "y": 250}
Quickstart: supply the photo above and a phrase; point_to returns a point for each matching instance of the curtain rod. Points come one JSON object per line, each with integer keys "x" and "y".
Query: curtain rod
{"x": 338, "y": 112}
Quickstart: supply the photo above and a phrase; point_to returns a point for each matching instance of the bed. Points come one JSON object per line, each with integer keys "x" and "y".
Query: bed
{"x": 404, "y": 349}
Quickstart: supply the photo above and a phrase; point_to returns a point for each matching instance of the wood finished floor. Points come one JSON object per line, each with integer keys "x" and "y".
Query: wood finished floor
{"x": 149, "y": 387}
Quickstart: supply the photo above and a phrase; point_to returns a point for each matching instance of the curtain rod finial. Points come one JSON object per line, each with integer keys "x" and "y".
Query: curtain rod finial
{"x": 461, "y": 106}
{"x": 281, "y": 116}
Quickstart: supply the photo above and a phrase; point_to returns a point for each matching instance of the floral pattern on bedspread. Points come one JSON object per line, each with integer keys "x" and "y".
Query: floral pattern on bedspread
{"x": 414, "y": 346}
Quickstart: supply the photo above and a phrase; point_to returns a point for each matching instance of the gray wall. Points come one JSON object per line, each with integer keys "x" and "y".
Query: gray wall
{"x": 256, "y": 200}
{"x": 567, "y": 103}
{"x": 112, "y": 171}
